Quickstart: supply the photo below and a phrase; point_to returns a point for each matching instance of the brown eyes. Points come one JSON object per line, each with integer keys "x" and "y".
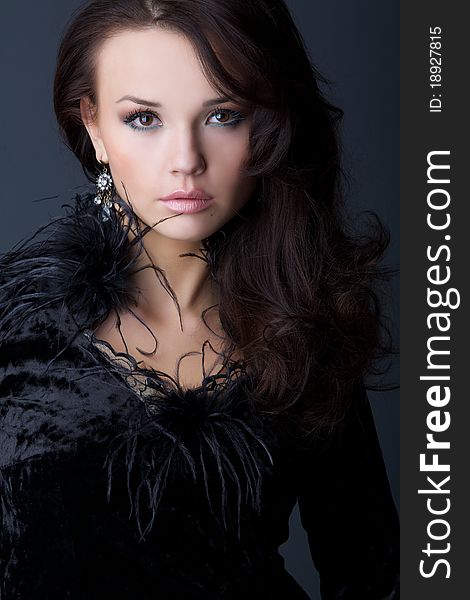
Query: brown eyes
{"x": 142, "y": 120}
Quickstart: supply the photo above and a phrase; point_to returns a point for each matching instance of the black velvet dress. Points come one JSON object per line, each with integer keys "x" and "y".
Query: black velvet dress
{"x": 115, "y": 483}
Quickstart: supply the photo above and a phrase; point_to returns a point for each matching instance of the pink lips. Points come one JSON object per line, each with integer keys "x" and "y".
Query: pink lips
{"x": 188, "y": 202}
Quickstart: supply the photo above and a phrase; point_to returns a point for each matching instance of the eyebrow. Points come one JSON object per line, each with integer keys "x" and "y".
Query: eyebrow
{"x": 210, "y": 102}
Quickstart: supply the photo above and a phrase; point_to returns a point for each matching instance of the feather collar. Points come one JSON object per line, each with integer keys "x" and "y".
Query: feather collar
{"x": 211, "y": 434}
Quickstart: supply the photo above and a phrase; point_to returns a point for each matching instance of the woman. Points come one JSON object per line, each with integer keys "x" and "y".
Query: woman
{"x": 183, "y": 353}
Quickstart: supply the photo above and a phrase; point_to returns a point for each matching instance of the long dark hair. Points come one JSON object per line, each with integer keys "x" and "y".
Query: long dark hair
{"x": 298, "y": 287}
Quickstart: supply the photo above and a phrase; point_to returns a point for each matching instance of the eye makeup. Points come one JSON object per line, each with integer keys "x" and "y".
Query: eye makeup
{"x": 134, "y": 115}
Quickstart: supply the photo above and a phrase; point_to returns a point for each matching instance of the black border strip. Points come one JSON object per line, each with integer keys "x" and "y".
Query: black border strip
{"x": 435, "y": 404}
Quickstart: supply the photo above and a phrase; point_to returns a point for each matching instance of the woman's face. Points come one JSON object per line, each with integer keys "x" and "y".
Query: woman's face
{"x": 184, "y": 143}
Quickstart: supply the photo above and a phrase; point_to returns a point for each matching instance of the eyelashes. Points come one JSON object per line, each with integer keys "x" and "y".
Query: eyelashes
{"x": 131, "y": 117}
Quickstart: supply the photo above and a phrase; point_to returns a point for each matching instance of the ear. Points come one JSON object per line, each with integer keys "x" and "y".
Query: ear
{"x": 89, "y": 118}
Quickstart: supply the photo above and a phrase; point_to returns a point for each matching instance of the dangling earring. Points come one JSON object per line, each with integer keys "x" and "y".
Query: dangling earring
{"x": 104, "y": 190}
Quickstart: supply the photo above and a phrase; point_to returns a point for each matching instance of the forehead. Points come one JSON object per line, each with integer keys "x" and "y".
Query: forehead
{"x": 150, "y": 63}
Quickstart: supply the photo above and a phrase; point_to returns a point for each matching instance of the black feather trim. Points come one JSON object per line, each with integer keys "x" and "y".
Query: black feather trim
{"x": 83, "y": 263}
{"x": 210, "y": 435}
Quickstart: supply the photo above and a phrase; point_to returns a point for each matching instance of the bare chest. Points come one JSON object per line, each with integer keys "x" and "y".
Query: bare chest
{"x": 188, "y": 356}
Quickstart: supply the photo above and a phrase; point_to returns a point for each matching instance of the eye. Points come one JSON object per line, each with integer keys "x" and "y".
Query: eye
{"x": 145, "y": 119}
{"x": 224, "y": 112}
{"x": 142, "y": 120}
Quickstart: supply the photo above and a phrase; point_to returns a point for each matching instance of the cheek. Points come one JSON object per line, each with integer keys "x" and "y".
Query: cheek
{"x": 124, "y": 146}
{"x": 227, "y": 159}
{"x": 128, "y": 162}
{"x": 126, "y": 172}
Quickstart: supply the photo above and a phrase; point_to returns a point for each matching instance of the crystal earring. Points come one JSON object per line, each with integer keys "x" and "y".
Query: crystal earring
{"x": 104, "y": 190}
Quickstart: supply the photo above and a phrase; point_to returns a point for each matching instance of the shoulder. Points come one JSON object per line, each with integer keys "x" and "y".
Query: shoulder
{"x": 75, "y": 260}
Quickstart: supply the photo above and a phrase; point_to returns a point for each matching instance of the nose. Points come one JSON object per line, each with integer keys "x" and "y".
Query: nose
{"x": 186, "y": 156}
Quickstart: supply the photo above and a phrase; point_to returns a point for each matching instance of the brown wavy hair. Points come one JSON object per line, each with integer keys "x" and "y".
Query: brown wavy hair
{"x": 299, "y": 287}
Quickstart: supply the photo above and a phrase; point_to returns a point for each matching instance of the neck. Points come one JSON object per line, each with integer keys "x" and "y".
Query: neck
{"x": 188, "y": 277}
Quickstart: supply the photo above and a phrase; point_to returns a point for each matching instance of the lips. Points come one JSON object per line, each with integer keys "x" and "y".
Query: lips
{"x": 187, "y": 202}
{"x": 194, "y": 194}
{"x": 182, "y": 202}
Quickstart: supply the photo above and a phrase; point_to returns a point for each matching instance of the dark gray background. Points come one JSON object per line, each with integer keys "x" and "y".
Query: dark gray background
{"x": 355, "y": 44}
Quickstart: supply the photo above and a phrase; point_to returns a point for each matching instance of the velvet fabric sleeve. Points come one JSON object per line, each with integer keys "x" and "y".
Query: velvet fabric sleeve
{"x": 347, "y": 509}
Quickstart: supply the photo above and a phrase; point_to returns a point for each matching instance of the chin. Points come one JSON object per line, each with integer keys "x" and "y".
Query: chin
{"x": 188, "y": 230}
{"x": 186, "y": 236}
